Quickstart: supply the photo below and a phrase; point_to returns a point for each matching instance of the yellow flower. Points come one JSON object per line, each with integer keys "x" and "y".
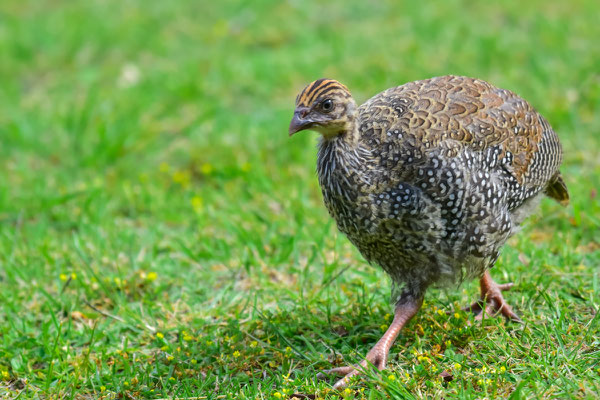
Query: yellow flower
{"x": 125, "y": 383}
{"x": 63, "y": 277}
{"x": 5, "y": 374}
{"x": 383, "y": 328}
{"x": 151, "y": 276}
{"x": 348, "y": 391}
{"x": 503, "y": 369}
{"x": 253, "y": 344}
{"x": 73, "y": 275}
{"x": 170, "y": 358}
{"x": 387, "y": 316}
{"x": 236, "y": 354}
{"x": 182, "y": 177}
{"x": 391, "y": 378}
{"x": 103, "y": 388}
{"x": 277, "y": 394}
{"x": 209, "y": 342}
{"x": 164, "y": 167}
{"x": 288, "y": 349}
{"x": 193, "y": 361}
{"x": 441, "y": 312}
{"x": 457, "y": 366}
{"x": 197, "y": 203}
{"x": 159, "y": 335}
{"x": 206, "y": 168}
{"x": 448, "y": 343}
{"x": 165, "y": 348}
{"x": 187, "y": 337}
{"x": 456, "y": 315}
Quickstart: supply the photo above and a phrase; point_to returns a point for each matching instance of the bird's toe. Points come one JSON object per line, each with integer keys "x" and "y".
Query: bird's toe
{"x": 494, "y": 305}
{"x": 505, "y": 286}
{"x": 338, "y": 372}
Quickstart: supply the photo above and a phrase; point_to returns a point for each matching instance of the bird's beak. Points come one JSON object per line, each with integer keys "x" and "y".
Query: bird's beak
{"x": 299, "y": 123}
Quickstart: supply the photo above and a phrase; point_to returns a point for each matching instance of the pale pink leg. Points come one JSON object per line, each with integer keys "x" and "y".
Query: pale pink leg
{"x": 379, "y": 353}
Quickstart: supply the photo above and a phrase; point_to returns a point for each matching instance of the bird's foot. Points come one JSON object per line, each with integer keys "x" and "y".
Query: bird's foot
{"x": 377, "y": 357}
{"x": 491, "y": 301}
{"x": 405, "y": 310}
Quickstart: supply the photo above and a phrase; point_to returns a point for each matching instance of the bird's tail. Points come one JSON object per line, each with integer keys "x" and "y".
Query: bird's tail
{"x": 557, "y": 189}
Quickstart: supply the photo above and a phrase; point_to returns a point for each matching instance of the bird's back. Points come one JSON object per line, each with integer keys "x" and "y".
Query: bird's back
{"x": 451, "y": 115}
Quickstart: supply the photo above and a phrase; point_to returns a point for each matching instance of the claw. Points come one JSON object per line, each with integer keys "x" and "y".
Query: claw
{"x": 492, "y": 302}
{"x": 376, "y": 357}
{"x": 339, "y": 372}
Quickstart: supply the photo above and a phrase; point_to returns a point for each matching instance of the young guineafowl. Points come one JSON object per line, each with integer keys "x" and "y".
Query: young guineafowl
{"x": 428, "y": 180}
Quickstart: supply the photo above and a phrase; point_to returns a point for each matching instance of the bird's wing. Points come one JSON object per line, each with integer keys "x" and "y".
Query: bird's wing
{"x": 451, "y": 114}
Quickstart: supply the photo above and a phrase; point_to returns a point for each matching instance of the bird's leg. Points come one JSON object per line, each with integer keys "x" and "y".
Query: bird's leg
{"x": 378, "y": 355}
{"x": 491, "y": 297}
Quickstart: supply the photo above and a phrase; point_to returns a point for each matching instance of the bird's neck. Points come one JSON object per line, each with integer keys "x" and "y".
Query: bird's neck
{"x": 350, "y": 135}
{"x": 338, "y": 133}
{"x": 345, "y": 172}
{"x": 343, "y": 163}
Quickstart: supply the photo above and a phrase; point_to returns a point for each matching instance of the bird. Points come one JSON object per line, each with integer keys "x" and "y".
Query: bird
{"x": 428, "y": 180}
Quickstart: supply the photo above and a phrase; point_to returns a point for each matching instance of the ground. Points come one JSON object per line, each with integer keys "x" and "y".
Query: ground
{"x": 161, "y": 236}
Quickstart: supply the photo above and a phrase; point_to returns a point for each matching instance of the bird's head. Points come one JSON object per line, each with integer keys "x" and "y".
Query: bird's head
{"x": 325, "y": 106}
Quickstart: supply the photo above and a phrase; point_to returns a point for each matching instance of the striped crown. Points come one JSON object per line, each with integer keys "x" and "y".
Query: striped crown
{"x": 318, "y": 89}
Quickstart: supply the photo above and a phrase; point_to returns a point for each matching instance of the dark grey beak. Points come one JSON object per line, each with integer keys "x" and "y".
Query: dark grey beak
{"x": 298, "y": 123}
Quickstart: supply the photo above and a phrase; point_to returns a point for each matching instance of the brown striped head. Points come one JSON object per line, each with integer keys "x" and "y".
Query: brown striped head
{"x": 325, "y": 106}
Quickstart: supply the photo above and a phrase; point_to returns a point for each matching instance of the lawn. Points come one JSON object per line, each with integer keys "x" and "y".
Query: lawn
{"x": 161, "y": 236}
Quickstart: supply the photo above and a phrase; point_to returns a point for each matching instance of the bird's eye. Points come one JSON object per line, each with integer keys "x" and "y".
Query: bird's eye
{"x": 327, "y": 105}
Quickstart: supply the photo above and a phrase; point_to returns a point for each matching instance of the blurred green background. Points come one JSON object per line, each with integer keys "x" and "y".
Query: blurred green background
{"x": 161, "y": 236}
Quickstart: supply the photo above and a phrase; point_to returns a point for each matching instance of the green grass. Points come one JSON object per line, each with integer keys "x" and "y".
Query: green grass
{"x": 160, "y": 235}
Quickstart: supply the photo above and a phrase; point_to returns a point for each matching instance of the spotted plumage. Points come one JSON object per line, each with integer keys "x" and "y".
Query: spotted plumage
{"x": 429, "y": 179}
